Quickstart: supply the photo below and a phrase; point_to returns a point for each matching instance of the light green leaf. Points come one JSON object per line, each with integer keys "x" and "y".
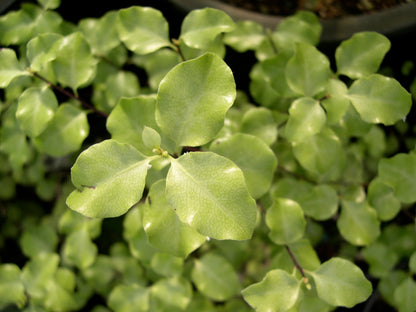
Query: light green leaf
{"x": 216, "y": 46}
{"x": 215, "y": 277}
{"x": 381, "y": 259}
{"x": 380, "y": 99}
{"x": 164, "y": 229}
{"x": 286, "y": 221}
{"x": 404, "y": 295}
{"x": 79, "y": 249}
{"x": 260, "y": 86}
{"x": 12, "y": 290}
{"x": 399, "y": 172}
{"x": 358, "y": 223}
{"x": 65, "y": 133}
{"x": 151, "y": 137}
{"x": 109, "y": 177}
{"x": 253, "y": 157}
{"x": 305, "y": 254}
{"x": 37, "y": 239}
{"x": 247, "y": 35}
{"x": 260, "y": 122}
{"x": 36, "y": 108}
{"x": 192, "y": 111}
{"x": 127, "y": 298}
{"x": 16, "y": 27}
{"x": 142, "y": 29}
{"x": 41, "y": 50}
{"x": 308, "y": 71}
{"x": 208, "y": 192}
{"x": 277, "y": 292}
{"x": 170, "y": 294}
{"x": 361, "y": 55}
{"x": 381, "y": 197}
{"x": 306, "y": 118}
{"x": 9, "y": 67}
{"x": 336, "y": 104}
{"x": 166, "y": 264}
{"x": 320, "y": 202}
{"x": 340, "y": 282}
{"x": 50, "y": 4}
{"x": 74, "y": 64}
{"x": 200, "y": 27}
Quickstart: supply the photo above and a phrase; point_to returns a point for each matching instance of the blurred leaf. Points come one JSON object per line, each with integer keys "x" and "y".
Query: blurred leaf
{"x": 79, "y": 249}
{"x": 404, "y": 295}
{"x": 381, "y": 197}
{"x": 247, "y": 35}
{"x": 50, "y": 4}
{"x": 9, "y": 67}
{"x": 127, "y": 298}
{"x": 380, "y": 258}
{"x": 260, "y": 122}
{"x": 12, "y": 290}
{"x": 37, "y": 239}
{"x": 173, "y": 294}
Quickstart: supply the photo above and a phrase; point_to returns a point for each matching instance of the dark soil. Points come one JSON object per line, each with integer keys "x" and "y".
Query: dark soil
{"x": 326, "y": 9}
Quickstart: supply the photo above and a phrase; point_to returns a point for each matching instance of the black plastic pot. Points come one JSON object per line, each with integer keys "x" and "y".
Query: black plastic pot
{"x": 396, "y": 20}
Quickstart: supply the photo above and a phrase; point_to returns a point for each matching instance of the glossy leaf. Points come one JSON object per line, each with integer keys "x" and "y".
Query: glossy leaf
{"x": 286, "y": 221}
{"x": 164, "y": 229}
{"x": 126, "y": 298}
{"x": 358, "y": 223}
{"x": 12, "y": 290}
{"x": 65, "y": 133}
{"x": 306, "y": 118}
{"x": 399, "y": 172}
{"x": 404, "y": 295}
{"x": 9, "y": 67}
{"x": 278, "y": 291}
{"x": 361, "y": 55}
{"x": 74, "y": 64}
{"x": 247, "y": 35}
{"x": 381, "y": 198}
{"x": 36, "y": 108}
{"x": 192, "y": 111}
{"x": 308, "y": 71}
{"x": 142, "y": 29}
{"x": 340, "y": 282}
{"x": 253, "y": 157}
{"x": 170, "y": 294}
{"x": 41, "y": 50}
{"x": 215, "y": 277}
{"x": 260, "y": 123}
{"x": 200, "y": 27}
{"x": 380, "y": 99}
{"x": 208, "y": 192}
{"x": 109, "y": 177}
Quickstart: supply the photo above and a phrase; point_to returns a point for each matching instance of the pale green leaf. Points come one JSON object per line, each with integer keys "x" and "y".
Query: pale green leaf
{"x": 37, "y": 239}
{"x": 216, "y": 46}
{"x": 381, "y": 198}
{"x": 167, "y": 264}
{"x": 340, "y": 282}
{"x": 336, "y": 104}
{"x": 247, "y": 35}
{"x": 306, "y": 118}
{"x": 286, "y": 221}
{"x": 151, "y": 138}
{"x": 404, "y": 295}
{"x": 253, "y": 157}
{"x": 41, "y": 50}
{"x": 277, "y": 292}
{"x": 215, "y": 277}
{"x": 200, "y": 27}
{"x": 260, "y": 122}
{"x": 16, "y": 27}
{"x": 170, "y": 294}
{"x": 36, "y": 108}
{"x": 12, "y": 290}
{"x": 389, "y": 284}
{"x": 308, "y": 71}
{"x": 9, "y": 67}
{"x": 192, "y": 111}
{"x": 305, "y": 254}
{"x": 380, "y": 99}
{"x": 260, "y": 86}
{"x": 65, "y": 133}
{"x": 50, "y": 4}
{"x": 320, "y": 202}
{"x": 110, "y": 179}
{"x": 127, "y": 298}
{"x": 209, "y": 193}
{"x": 142, "y": 29}
{"x": 399, "y": 172}
{"x": 361, "y": 55}
{"x": 164, "y": 229}
{"x": 380, "y": 258}
{"x": 79, "y": 249}
{"x": 74, "y": 65}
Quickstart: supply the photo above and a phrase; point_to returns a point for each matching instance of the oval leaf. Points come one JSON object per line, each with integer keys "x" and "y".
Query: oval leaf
{"x": 109, "y": 177}
{"x": 125, "y": 298}
{"x": 340, "y": 282}
{"x": 208, "y": 192}
{"x": 380, "y": 99}
{"x": 9, "y": 67}
{"x": 192, "y": 111}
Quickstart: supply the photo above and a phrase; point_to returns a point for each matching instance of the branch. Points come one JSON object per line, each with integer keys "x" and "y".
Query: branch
{"x": 298, "y": 267}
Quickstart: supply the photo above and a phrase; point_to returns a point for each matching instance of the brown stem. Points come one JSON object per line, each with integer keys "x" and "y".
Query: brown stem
{"x": 297, "y": 265}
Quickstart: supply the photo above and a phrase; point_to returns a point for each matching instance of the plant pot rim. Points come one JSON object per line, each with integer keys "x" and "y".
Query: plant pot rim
{"x": 395, "y": 20}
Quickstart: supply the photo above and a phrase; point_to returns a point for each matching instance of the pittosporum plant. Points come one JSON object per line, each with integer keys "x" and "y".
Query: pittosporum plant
{"x": 230, "y": 199}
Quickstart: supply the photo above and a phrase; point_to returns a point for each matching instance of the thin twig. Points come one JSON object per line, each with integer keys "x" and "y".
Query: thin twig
{"x": 297, "y": 265}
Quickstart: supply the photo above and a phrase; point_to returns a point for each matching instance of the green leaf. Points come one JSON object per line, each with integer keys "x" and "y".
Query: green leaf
{"x": 9, "y": 67}
{"x": 380, "y": 258}
{"x": 36, "y": 108}
{"x": 340, "y": 282}
{"x": 151, "y": 137}
{"x": 389, "y": 284}
{"x": 253, "y": 157}
{"x": 218, "y": 208}
{"x": 380, "y": 99}
{"x": 215, "y": 277}
{"x": 358, "y": 223}
{"x": 50, "y": 4}
{"x": 170, "y": 294}
{"x": 361, "y": 55}
{"x": 306, "y": 118}
{"x": 286, "y": 221}
{"x": 126, "y": 298}
{"x": 247, "y": 35}
{"x": 260, "y": 122}
{"x": 74, "y": 65}
{"x": 79, "y": 249}
{"x": 65, "y": 133}
{"x": 381, "y": 197}
{"x": 166, "y": 264}
{"x": 320, "y": 202}
{"x": 308, "y": 71}
{"x": 336, "y": 104}
{"x": 200, "y": 27}
{"x": 16, "y": 27}
{"x": 41, "y": 50}
{"x": 12, "y": 290}
{"x": 164, "y": 229}
{"x": 142, "y": 29}
{"x": 404, "y": 295}
{"x": 109, "y": 177}
{"x": 399, "y": 172}
{"x": 37, "y": 239}
{"x": 192, "y": 111}
{"x": 278, "y": 292}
